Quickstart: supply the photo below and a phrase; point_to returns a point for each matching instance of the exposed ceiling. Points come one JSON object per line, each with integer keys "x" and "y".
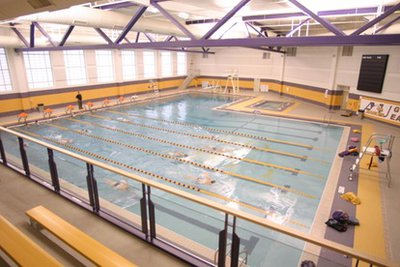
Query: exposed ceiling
{"x": 267, "y": 17}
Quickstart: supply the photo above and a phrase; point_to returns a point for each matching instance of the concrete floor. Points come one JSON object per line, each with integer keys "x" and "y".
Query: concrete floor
{"x": 18, "y": 194}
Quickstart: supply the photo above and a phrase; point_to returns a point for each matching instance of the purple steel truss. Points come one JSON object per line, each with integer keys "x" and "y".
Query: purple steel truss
{"x": 387, "y": 25}
{"x": 130, "y": 24}
{"x": 221, "y": 22}
{"x": 32, "y": 36}
{"x": 102, "y": 34}
{"x": 37, "y": 25}
{"x": 322, "y": 21}
{"x": 377, "y": 19}
{"x": 387, "y": 39}
{"x": 66, "y": 35}
{"x": 173, "y": 20}
{"x": 352, "y": 11}
{"x": 18, "y": 33}
{"x": 297, "y": 27}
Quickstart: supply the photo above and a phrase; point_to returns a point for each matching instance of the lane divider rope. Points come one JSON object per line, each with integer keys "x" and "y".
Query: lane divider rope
{"x": 301, "y": 157}
{"x": 191, "y": 187}
{"x": 200, "y": 165}
{"x": 275, "y": 166}
{"x": 251, "y": 136}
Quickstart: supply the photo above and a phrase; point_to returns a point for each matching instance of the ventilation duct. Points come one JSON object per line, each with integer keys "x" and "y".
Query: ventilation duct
{"x": 36, "y": 4}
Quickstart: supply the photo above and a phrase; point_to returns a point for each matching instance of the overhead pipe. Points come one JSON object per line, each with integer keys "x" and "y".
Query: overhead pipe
{"x": 105, "y": 19}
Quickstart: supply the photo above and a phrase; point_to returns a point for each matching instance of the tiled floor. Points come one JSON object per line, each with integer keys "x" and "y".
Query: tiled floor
{"x": 18, "y": 194}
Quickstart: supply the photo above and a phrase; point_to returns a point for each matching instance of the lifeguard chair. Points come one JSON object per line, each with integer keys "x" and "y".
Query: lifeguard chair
{"x": 232, "y": 80}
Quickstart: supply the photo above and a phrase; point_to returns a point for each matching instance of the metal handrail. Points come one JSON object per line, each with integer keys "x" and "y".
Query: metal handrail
{"x": 214, "y": 205}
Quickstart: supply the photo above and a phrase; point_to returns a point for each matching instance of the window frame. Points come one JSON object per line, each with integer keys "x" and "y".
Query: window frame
{"x": 81, "y": 67}
{"x": 5, "y": 73}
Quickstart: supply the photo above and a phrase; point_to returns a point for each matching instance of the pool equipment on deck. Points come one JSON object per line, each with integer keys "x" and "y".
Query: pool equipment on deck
{"x": 382, "y": 149}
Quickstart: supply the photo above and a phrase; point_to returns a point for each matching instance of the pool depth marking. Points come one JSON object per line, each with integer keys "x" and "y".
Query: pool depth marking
{"x": 302, "y": 157}
{"x": 292, "y": 170}
{"x": 166, "y": 156}
{"x": 251, "y": 136}
{"x": 194, "y": 188}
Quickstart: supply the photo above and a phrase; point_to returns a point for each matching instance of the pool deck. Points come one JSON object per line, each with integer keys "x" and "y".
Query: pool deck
{"x": 380, "y": 206}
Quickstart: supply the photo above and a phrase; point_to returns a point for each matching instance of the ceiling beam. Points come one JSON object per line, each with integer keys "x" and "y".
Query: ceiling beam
{"x": 18, "y": 33}
{"x": 221, "y": 22}
{"x": 66, "y": 35}
{"x": 377, "y": 19}
{"x": 322, "y": 21}
{"x": 376, "y": 40}
{"x": 128, "y": 27}
{"x": 173, "y": 20}
{"x": 45, "y": 34}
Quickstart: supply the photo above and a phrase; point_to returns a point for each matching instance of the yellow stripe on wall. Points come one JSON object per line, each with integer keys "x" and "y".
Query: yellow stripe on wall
{"x": 27, "y": 103}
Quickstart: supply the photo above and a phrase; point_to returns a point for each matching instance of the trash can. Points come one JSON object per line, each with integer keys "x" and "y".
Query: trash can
{"x": 40, "y": 107}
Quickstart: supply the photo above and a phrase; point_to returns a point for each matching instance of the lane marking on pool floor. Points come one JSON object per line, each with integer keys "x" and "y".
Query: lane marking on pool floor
{"x": 166, "y": 156}
{"x": 275, "y": 166}
{"x": 278, "y": 152}
{"x": 250, "y": 136}
{"x": 191, "y": 187}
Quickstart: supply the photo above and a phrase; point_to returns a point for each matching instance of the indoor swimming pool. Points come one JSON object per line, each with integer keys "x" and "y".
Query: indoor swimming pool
{"x": 270, "y": 167}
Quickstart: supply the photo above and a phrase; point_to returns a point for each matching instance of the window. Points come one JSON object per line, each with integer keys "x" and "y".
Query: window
{"x": 149, "y": 64}
{"x": 128, "y": 65}
{"x": 38, "y": 69}
{"x": 181, "y": 63}
{"x": 75, "y": 67}
{"x": 5, "y": 81}
{"x": 166, "y": 64}
{"x": 104, "y": 64}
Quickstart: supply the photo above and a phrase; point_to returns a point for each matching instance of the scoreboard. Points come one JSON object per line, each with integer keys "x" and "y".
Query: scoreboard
{"x": 372, "y": 73}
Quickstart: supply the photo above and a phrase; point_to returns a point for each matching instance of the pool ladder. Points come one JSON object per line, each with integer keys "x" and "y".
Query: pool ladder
{"x": 327, "y": 119}
{"x": 242, "y": 260}
{"x": 386, "y": 153}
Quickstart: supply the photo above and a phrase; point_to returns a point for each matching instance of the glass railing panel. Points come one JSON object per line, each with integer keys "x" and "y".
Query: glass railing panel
{"x": 72, "y": 176}
{"x": 11, "y": 148}
{"x": 38, "y": 160}
{"x": 260, "y": 246}
{"x": 119, "y": 196}
{"x": 186, "y": 224}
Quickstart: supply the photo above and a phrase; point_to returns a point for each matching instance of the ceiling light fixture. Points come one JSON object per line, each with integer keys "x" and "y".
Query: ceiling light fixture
{"x": 183, "y": 15}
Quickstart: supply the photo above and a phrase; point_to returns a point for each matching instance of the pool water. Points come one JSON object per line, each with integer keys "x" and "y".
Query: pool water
{"x": 183, "y": 138}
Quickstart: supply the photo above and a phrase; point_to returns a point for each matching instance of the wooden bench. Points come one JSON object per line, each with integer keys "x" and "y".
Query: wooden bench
{"x": 21, "y": 249}
{"x": 88, "y": 247}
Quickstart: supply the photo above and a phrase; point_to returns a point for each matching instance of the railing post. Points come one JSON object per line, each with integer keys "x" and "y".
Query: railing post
{"x": 143, "y": 211}
{"x": 235, "y": 246}
{"x": 53, "y": 171}
{"x": 152, "y": 215}
{"x": 92, "y": 188}
{"x": 222, "y": 244}
{"x": 24, "y": 157}
{"x": 2, "y": 152}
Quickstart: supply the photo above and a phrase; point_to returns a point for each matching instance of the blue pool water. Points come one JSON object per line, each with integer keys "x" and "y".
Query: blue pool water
{"x": 281, "y": 180}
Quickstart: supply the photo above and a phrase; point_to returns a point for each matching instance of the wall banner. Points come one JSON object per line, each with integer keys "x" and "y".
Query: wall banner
{"x": 382, "y": 110}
